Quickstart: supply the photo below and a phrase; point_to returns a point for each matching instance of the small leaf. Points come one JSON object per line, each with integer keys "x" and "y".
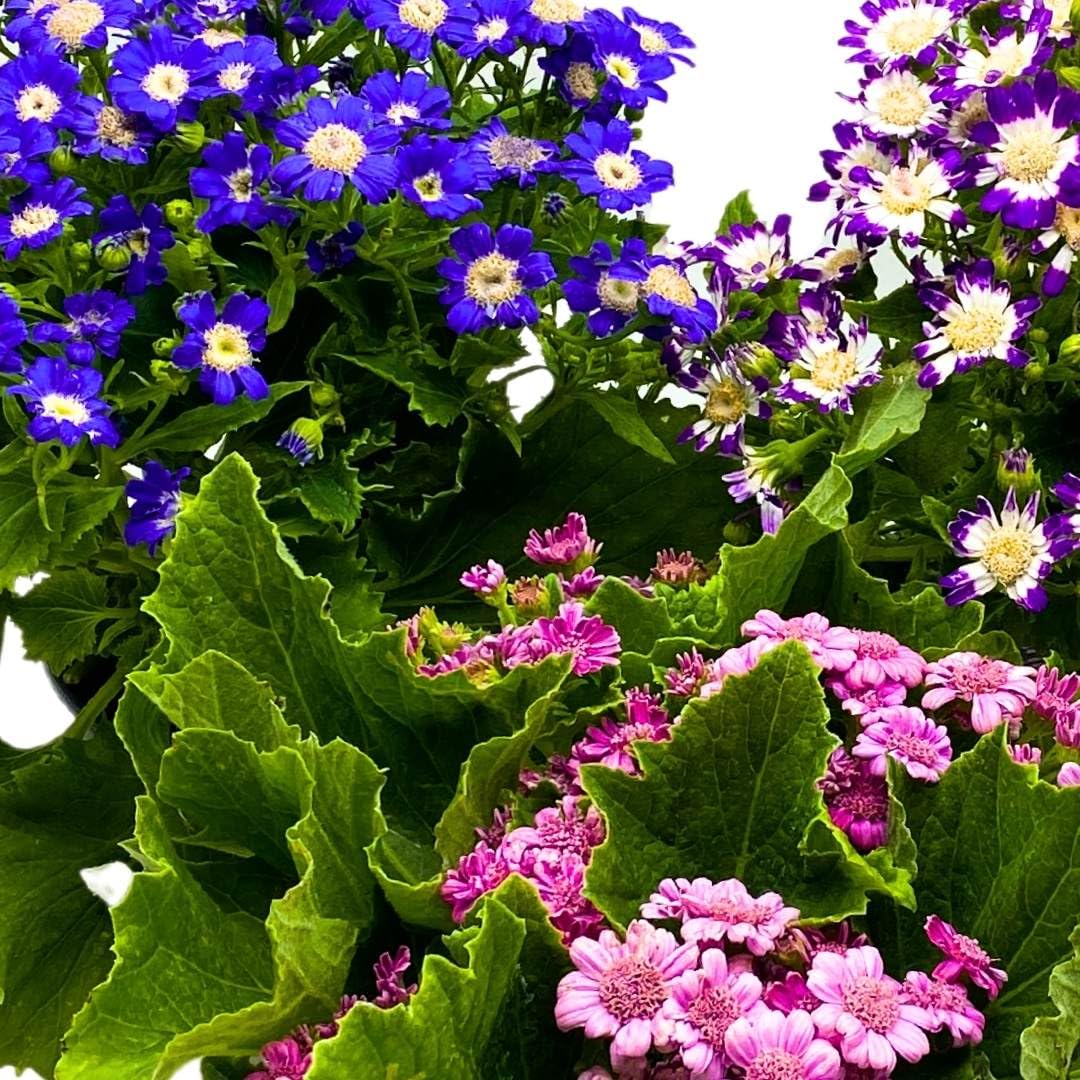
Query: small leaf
{"x": 281, "y": 296}
{"x": 740, "y": 211}
{"x": 899, "y": 315}
{"x": 886, "y": 414}
{"x": 622, "y": 416}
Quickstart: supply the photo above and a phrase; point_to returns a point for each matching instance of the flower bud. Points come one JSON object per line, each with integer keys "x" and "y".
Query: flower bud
{"x": 164, "y": 346}
{"x": 200, "y": 248}
{"x": 11, "y": 290}
{"x": 323, "y": 395}
{"x": 1039, "y": 335}
{"x": 756, "y": 361}
{"x": 441, "y": 638}
{"x": 190, "y": 136}
{"x": 179, "y": 214}
{"x": 62, "y": 161}
{"x": 1016, "y": 469}
{"x": 80, "y": 254}
{"x": 303, "y": 439}
{"x": 167, "y": 375}
{"x": 737, "y": 533}
{"x": 1069, "y": 352}
{"x": 113, "y": 257}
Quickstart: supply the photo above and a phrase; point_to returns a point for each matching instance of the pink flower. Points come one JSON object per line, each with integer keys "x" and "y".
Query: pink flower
{"x": 589, "y": 639}
{"x": 1025, "y": 754}
{"x": 684, "y": 678}
{"x": 389, "y": 981}
{"x": 866, "y": 1009}
{"x": 610, "y": 743}
{"x": 703, "y": 1004}
{"x": 555, "y": 829}
{"x": 947, "y": 1005}
{"x": 619, "y": 988}
{"x": 559, "y": 880}
{"x": 677, "y": 569}
{"x": 881, "y": 658}
{"x": 476, "y": 873}
{"x": 484, "y": 580}
{"x": 996, "y": 689}
{"x": 669, "y": 900}
{"x": 862, "y": 700}
{"x": 568, "y": 545}
{"x": 727, "y": 912}
{"x": 284, "y": 1060}
{"x": 737, "y": 661}
{"x": 772, "y": 1046}
{"x": 903, "y": 733}
{"x": 857, "y": 800}
{"x": 791, "y": 994}
{"x": 832, "y": 647}
{"x": 583, "y": 584}
{"x": 1055, "y": 701}
{"x": 1069, "y": 775}
{"x": 963, "y": 956}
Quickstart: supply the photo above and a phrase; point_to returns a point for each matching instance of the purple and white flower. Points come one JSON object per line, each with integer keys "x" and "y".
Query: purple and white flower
{"x": 899, "y": 31}
{"x": 1066, "y": 229}
{"x": 752, "y": 256}
{"x": 857, "y": 150}
{"x": 899, "y": 104}
{"x": 726, "y": 398}
{"x": 830, "y": 368}
{"x": 1009, "y": 54}
{"x": 757, "y": 481}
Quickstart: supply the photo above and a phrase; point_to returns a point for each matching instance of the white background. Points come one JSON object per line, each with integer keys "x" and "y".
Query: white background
{"x": 753, "y": 113}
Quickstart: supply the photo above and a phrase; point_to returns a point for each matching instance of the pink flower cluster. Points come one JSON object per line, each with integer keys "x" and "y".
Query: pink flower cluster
{"x": 290, "y": 1058}
{"x": 740, "y": 992}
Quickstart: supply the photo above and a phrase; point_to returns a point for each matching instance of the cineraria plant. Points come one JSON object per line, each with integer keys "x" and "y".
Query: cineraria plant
{"x": 719, "y": 716}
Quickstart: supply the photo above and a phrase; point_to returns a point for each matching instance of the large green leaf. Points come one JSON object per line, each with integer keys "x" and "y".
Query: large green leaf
{"x": 885, "y": 415}
{"x": 1048, "y": 1046}
{"x": 734, "y": 794}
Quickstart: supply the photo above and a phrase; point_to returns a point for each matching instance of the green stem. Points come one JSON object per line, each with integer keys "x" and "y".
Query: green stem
{"x": 86, "y": 716}
{"x": 406, "y": 297}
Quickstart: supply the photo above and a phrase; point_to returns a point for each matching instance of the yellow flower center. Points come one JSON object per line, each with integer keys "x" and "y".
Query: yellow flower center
{"x": 833, "y": 369}
{"x": 492, "y": 30}
{"x": 493, "y": 279}
{"x": 240, "y": 184}
{"x": 904, "y": 102}
{"x": 905, "y": 192}
{"x": 974, "y": 331}
{"x": 668, "y": 283}
{"x": 33, "y": 219}
{"x": 116, "y": 127}
{"x": 1030, "y": 156}
{"x": 138, "y": 242}
{"x": 1008, "y": 554}
{"x": 624, "y": 69}
{"x": 1006, "y": 56}
{"x": 429, "y": 187}
{"x": 908, "y": 32}
{"x": 618, "y": 294}
{"x": 336, "y": 147}
{"x": 64, "y": 407}
{"x": 226, "y": 348}
{"x": 972, "y": 112}
{"x": 838, "y": 261}
{"x": 581, "y": 81}
{"x": 166, "y": 82}
{"x": 726, "y": 402}
{"x": 655, "y": 44}
{"x": 236, "y": 77}
{"x": 617, "y": 171}
{"x": 1067, "y": 222}
{"x": 216, "y": 37}
{"x": 37, "y": 102}
{"x": 73, "y": 21}
{"x": 426, "y": 15}
{"x": 557, "y": 11}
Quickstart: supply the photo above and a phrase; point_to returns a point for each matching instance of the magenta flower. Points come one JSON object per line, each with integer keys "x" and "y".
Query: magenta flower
{"x": 736, "y": 661}
{"x": 772, "y": 1046}
{"x": 583, "y": 584}
{"x": 560, "y": 881}
{"x": 1025, "y": 754}
{"x": 568, "y": 545}
{"x": 866, "y": 1009}
{"x": 477, "y": 872}
{"x": 905, "y": 734}
{"x": 880, "y": 658}
{"x": 669, "y": 900}
{"x": 284, "y": 1060}
{"x": 703, "y": 1004}
{"x": 684, "y": 679}
{"x": 1055, "y": 700}
{"x": 484, "y": 580}
{"x": 963, "y": 956}
{"x": 1069, "y": 775}
{"x": 834, "y": 648}
{"x": 589, "y": 639}
{"x": 619, "y": 988}
{"x": 996, "y": 689}
{"x": 389, "y": 978}
{"x": 857, "y": 800}
{"x": 725, "y": 911}
{"x": 791, "y": 994}
{"x": 948, "y": 1006}
{"x": 555, "y": 829}
{"x": 863, "y": 701}
{"x": 611, "y": 743}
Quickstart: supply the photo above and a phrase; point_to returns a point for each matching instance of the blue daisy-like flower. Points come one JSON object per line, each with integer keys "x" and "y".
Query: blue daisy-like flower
{"x": 111, "y": 133}
{"x": 573, "y": 67}
{"x": 163, "y": 77}
{"x": 22, "y": 147}
{"x": 230, "y": 178}
{"x": 549, "y": 22}
{"x": 408, "y": 101}
{"x": 633, "y": 76}
{"x": 64, "y": 403}
{"x": 334, "y": 251}
{"x": 39, "y": 88}
{"x": 245, "y": 68}
{"x": 143, "y": 233}
{"x": 494, "y": 25}
{"x": 440, "y": 176}
{"x": 490, "y": 281}
{"x": 154, "y": 504}
{"x": 337, "y": 140}
{"x": 95, "y": 322}
{"x": 13, "y": 333}
{"x": 224, "y": 346}
{"x": 37, "y": 216}
{"x": 660, "y": 38}
{"x": 606, "y": 166}
{"x": 668, "y": 294}
{"x": 514, "y": 157}
{"x": 71, "y": 26}
{"x": 195, "y": 16}
{"x": 607, "y": 287}
{"x": 413, "y": 25}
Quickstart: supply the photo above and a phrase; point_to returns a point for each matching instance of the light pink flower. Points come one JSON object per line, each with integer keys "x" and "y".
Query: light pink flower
{"x": 477, "y": 872}
{"x": 703, "y": 1004}
{"x": 1025, "y": 754}
{"x": 833, "y": 648}
{"x": 568, "y": 545}
{"x": 669, "y": 900}
{"x": 727, "y": 912}
{"x": 866, "y": 1009}
{"x": 996, "y": 689}
{"x": 484, "y": 580}
{"x": 1055, "y": 700}
{"x": 863, "y": 700}
{"x": 772, "y": 1046}
{"x": 592, "y": 643}
{"x": 619, "y": 988}
{"x": 904, "y": 733}
{"x": 736, "y": 661}
{"x": 555, "y": 829}
{"x": 948, "y": 1006}
{"x": 1069, "y": 775}
{"x": 963, "y": 956}
{"x": 881, "y": 658}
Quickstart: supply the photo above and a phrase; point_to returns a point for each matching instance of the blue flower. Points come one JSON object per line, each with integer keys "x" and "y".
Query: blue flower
{"x": 668, "y": 294}
{"x": 439, "y": 176}
{"x": 413, "y": 25}
{"x": 337, "y": 140}
{"x": 39, "y": 88}
{"x": 230, "y": 180}
{"x": 492, "y": 24}
{"x": 574, "y": 70}
{"x": 22, "y": 146}
{"x": 302, "y": 439}
{"x": 64, "y": 404}
{"x": 163, "y": 77}
{"x": 143, "y": 233}
{"x": 335, "y": 251}
{"x": 12, "y": 334}
{"x": 71, "y": 26}
{"x": 488, "y": 287}
{"x": 607, "y": 287}
{"x": 246, "y": 68}
{"x": 112, "y": 133}
{"x": 37, "y": 216}
{"x": 633, "y": 76}
{"x": 195, "y": 16}
{"x": 410, "y": 101}
{"x": 605, "y": 166}
{"x": 549, "y": 22}
{"x": 224, "y": 347}
{"x": 95, "y": 322}
{"x": 155, "y": 501}
{"x": 659, "y": 38}
{"x": 515, "y": 157}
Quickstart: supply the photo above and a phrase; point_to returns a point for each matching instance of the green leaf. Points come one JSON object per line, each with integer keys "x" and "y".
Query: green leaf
{"x": 899, "y": 315}
{"x": 939, "y": 449}
{"x": 281, "y": 296}
{"x": 437, "y": 396}
{"x": 62, "y": 809}
{"x": 185, "y": 275}
{"x": 639, "y": 621}
{"x": 763, "y": 574}
{"x": 740, "y": 211}
{"x": 331, "y": 491}
{"x": 734, "y": 794}
{"x": 622, "y": 416}
{"x": 1048, "y": 1046}
{"x": 886, "y": 414}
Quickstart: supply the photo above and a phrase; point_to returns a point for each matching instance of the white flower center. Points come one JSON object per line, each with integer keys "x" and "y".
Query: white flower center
{"x": 493, "y": 279}
{"x": 972, "y": 112}
{"x": 336, "y": 147}
{"x": 1067, "y": 222}
{"x": 1008, "y": 554}
{"x": 401, "y": 111}
{"x": 64, "y": 407}
{"x": 240, "y": 184}
{"x": 34, "y": 219}
{"x": 624, "y": 69}
{"x": 905, "y": 192}
{"x": 832, "y": 369}
{"x": 492, "y": 30}
{"x": 617, "y": 171}
{"x": 226, "y": 348}
{"x": 618, "y": 294}
{"x": 557, "y": 11}
{"x": 836, "y": 262}
{"x": 1008, "y": 57}
{"x": 907, "y": 31}
{"x": 37, "y": 102}
{"x": 726, "y": 402}
{"x": 429, "y": 187}
{"x": 902, "y": 101}
{"x": 1030, "y": 155}
{"x": 215, "y": 37}
{"x": 975, "y": 330}
{"x": 581, "y": 81}
{"x": 669, "y": 284}
{"x": 515, "y": 152}
{"x": 115, "y": 127}
{"x": 138, "y": 242}
{"x": 73, "y": 21}
{"x": 166, "y": 82}
{"x": 652, "y": 42}
{"x": 236, "y": 77}
{"x": 426, "y": 15}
